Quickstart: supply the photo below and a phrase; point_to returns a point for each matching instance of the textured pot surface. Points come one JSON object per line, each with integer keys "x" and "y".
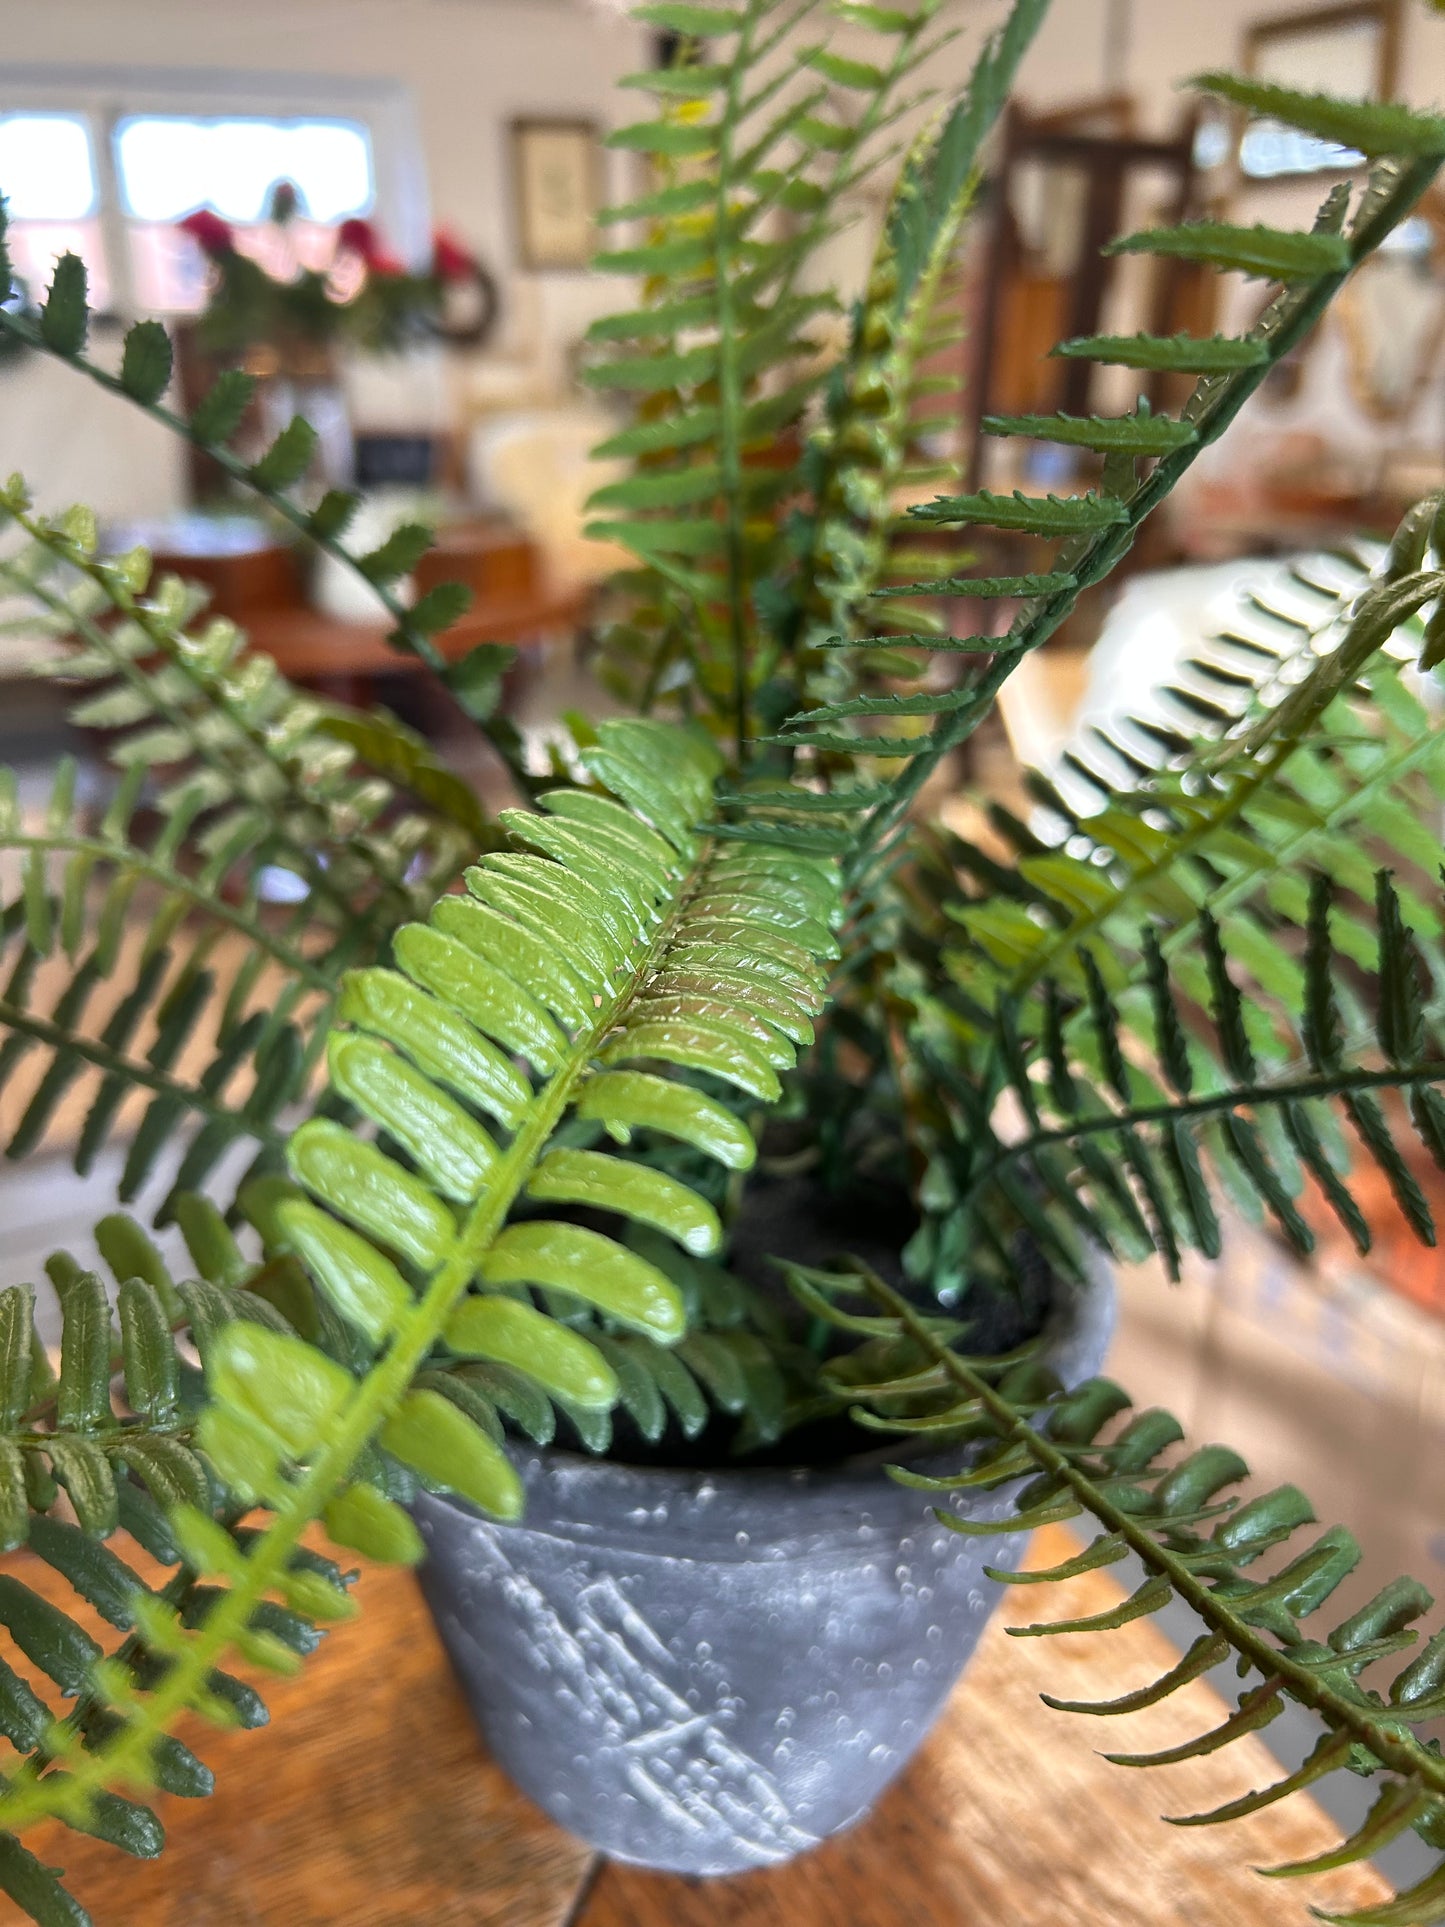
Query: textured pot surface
{"x": 712, "y": 1670}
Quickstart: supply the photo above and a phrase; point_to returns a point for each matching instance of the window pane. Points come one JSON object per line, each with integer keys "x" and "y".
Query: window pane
{"x": 171, "y": 164}
{"x": 46, "y": 173}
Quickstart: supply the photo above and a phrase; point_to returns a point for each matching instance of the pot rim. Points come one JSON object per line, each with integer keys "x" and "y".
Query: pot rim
{"x": 575, "y": 1494}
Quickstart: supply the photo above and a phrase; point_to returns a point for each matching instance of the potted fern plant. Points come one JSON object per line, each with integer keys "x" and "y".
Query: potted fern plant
{"x": 463, "y": 1165}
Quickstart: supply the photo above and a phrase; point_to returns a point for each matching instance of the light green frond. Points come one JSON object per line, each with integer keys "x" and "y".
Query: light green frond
{"x": 417, "y": 1256}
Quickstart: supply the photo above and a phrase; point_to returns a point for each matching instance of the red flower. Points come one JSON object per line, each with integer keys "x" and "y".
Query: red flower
{"x": 210, "y": 233}
{"x": 450, "y": 260}
{"x": 360, "y": 237}
{"x": 385, "y": 265}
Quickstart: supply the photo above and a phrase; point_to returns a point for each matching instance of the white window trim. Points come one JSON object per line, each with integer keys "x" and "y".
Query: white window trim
{"x": 106, "y": 95}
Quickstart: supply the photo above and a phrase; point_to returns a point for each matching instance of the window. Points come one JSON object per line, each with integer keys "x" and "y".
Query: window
{"x": 107, "y": 167}
{"x": 48, "y": 178}
{"x": 167, "y": 165}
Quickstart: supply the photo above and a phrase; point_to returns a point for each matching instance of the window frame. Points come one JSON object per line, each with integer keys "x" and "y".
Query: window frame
{"x": 104, "y": 96}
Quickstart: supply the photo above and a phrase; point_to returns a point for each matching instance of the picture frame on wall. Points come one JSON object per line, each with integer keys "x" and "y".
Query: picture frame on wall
{"x": 557, "y": 191}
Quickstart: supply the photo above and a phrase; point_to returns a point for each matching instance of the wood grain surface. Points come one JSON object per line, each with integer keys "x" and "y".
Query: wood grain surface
{"x": 369, "y": 1802}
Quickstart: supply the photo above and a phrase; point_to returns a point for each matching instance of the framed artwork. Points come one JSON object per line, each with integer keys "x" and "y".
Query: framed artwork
{"x": 1349, "y": 48}
{"x": 557, "y": 181}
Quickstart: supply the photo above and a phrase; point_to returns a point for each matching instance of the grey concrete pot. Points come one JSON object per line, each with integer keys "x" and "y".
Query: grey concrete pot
{"x": 707, "y": 1671}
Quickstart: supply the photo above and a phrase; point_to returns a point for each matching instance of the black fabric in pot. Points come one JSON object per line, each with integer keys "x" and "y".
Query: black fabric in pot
{"x": 706, "y": 1670}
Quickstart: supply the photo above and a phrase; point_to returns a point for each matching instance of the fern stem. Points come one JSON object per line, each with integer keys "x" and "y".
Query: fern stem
{"x": 1301, "y": 1090}
{"x": 1306, "y": 1686}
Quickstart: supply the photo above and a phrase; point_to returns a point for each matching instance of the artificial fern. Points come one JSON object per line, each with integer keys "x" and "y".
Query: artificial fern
{"x": 718, "y": 362}
{"x": 112, "y": 1427}
{"x": 593, "y": 1032}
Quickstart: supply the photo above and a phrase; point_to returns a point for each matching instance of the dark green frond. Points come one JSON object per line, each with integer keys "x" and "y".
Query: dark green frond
{"x": 1090, "y": 532}
{"x": 1196, "y": 1541}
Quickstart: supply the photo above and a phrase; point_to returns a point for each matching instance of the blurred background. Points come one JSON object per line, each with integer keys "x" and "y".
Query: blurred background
{"x": 384, "y": 210}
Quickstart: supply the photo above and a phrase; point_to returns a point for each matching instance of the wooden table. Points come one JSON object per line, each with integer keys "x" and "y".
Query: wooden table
{"x": 369, "y": 1802}
{"x": 317, "y": 650}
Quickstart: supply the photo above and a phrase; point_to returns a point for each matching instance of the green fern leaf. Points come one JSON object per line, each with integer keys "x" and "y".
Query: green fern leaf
{"x": 1029, "y": 514}
{"x": 288, "y": 457}
{"x": 145, "y": 364}
{"x": 1269, "y": 254}
{"x": 675, "y": 139}
{"x": 65, "y": 314}
{"x": 1169, "y": 354}
{"x": 399, "y": 554}
{"x": 679, "y": 16}
{"x": 1137, "y": 434}
{"x": 220, "y": 411}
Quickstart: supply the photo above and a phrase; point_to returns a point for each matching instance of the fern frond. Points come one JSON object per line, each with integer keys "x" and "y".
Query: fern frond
{"x": 1373, "y": 128}
{"x": 1152, "y": 1507}
{"x": 251, "y": 739}
{"x": 1108, "y": 1147}
{"x": 878, "y": 400}
{"x": 1095, "y": 530}
{"x": 618, "y": 965}
{"x": 112, "y": 1426}
{"x": 1283, "y": 790}
{"x": 105, "y": 1012}
{"x": 718, "y": 356}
